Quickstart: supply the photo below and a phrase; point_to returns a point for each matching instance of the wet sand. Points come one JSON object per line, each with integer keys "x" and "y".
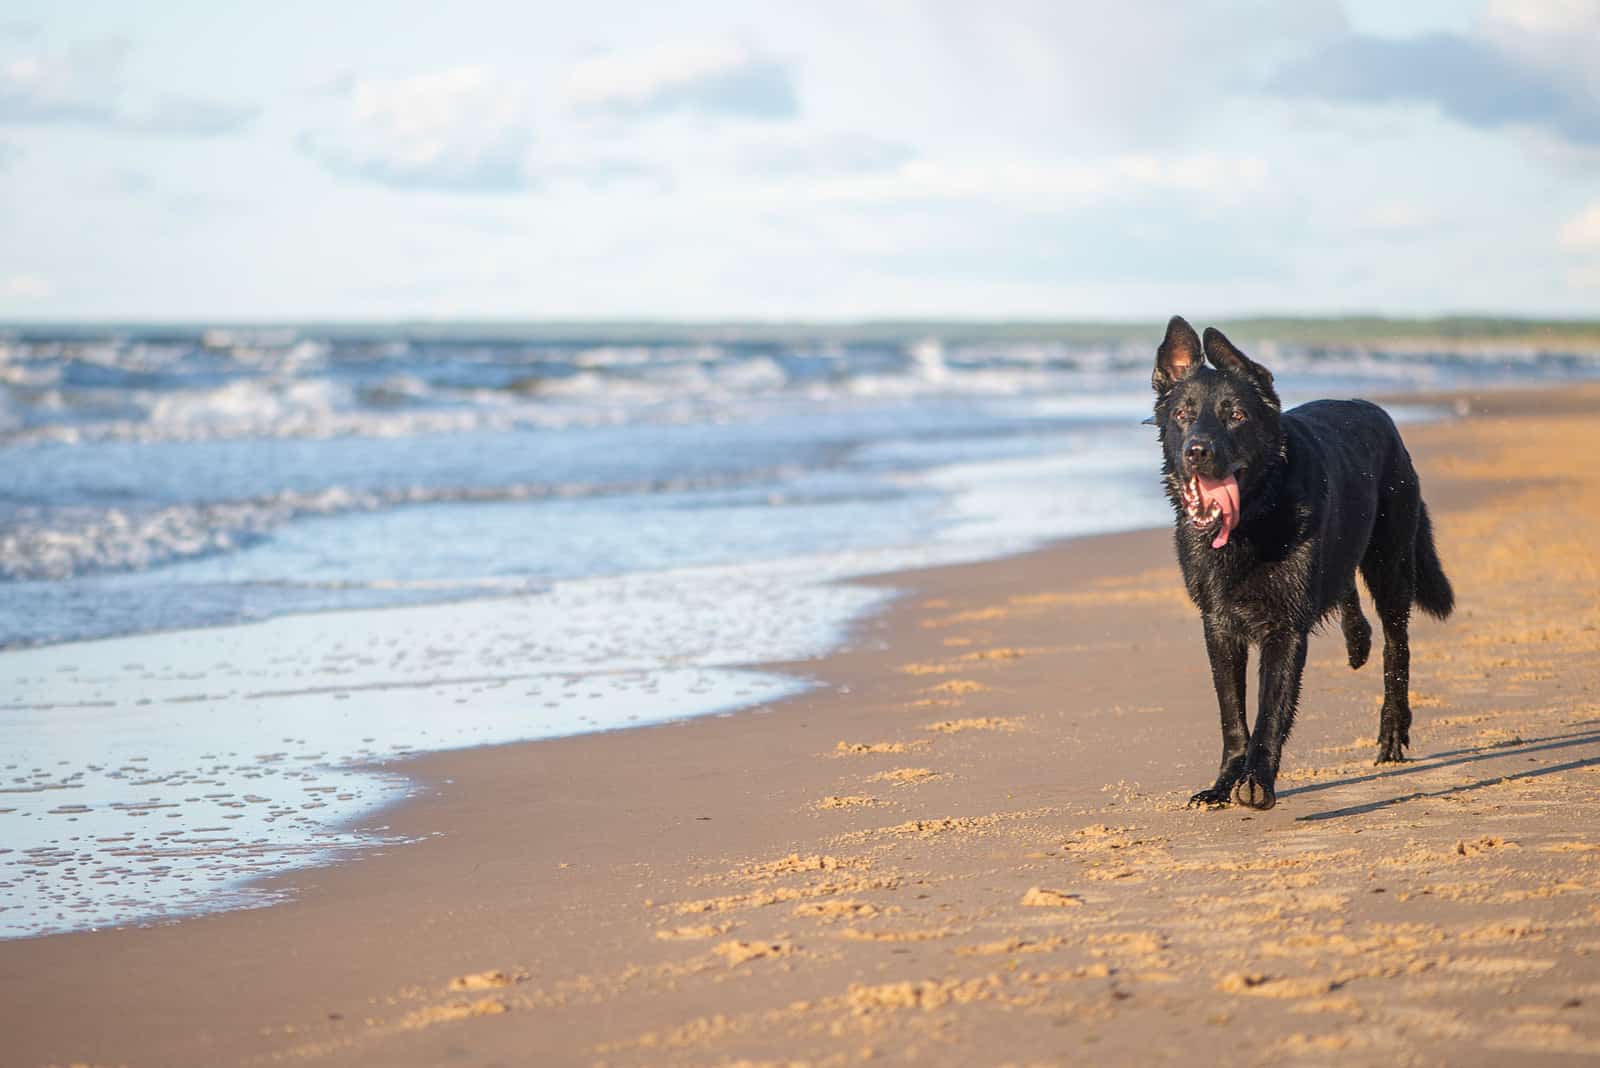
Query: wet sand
{"x": 969, "y": 846}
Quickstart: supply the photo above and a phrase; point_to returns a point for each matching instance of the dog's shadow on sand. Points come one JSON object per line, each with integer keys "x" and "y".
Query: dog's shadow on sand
{"x": 1590, "y": 736}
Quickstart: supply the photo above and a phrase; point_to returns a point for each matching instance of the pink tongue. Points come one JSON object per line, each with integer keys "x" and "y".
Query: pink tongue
{"x": 1223, "y": 492}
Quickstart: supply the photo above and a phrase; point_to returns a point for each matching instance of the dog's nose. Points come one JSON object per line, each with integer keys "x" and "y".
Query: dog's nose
{"x": 1198, "y": 451}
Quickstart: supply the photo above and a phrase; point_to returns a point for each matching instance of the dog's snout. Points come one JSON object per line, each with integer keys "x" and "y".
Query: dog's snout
{"x": 1197, "y": 450}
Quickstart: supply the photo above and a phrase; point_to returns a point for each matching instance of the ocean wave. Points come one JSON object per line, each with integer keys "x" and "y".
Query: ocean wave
{"x": 407, "y": 405}
{"x": 61, "y": 543}
{"x": 281, "y": 385}
{"x": 247, "y": 410}
{"x": 247, "y": 406}
{"x": 73, "y": 541}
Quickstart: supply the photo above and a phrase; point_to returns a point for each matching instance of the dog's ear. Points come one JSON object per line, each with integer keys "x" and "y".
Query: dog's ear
{"x": 1178, "y": 357}
{"x": 1225, "y": 357}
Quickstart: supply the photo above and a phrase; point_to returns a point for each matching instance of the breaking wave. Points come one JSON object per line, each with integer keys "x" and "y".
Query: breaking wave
{"x": 219, "y": 386}
{"x": 60, "y": 543}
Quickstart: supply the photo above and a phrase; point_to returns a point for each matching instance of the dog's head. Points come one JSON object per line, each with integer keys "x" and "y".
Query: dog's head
{"x": 1219, "y": 425}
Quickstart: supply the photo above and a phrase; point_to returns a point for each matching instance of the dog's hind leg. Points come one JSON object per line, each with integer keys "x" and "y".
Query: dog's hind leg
{"x": 1390, "y": 571}
{"x": 1229, "y": 655}
{"x": 1357, "y": 631}
{"x": 1394, "y": 724}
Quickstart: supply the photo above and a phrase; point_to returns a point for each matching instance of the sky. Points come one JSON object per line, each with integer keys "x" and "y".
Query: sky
{"x": 718, "y": 160}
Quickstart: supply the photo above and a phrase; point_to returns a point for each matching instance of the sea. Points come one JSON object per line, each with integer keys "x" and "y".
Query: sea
{"x": 245, "y": 569}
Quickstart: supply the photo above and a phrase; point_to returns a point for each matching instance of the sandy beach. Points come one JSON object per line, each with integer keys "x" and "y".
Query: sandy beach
{"x": 968, "y": 845}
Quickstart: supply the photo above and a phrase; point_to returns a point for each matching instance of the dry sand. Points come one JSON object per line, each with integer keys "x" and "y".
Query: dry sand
{"x": 969, "y": 847}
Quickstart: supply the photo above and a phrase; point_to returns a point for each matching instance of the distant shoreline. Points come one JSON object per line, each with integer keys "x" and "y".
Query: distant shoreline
{"x": 1309, "y": 330}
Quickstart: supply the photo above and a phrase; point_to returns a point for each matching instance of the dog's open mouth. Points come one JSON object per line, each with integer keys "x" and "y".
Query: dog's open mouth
{"x": 1212, "y": 502}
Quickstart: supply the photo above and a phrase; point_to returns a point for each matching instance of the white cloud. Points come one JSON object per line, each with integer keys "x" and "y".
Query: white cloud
{"x": 1582, "y": 231}
{"x": 26, "y": 287}
{"x": 85, "y": 85}
{"x": 1559, "y": 35}
{"x": 718, "y": 78}
{"x": 1398, "y": 218}
{"x": 789, "y": 150}
{"x": 1528, "y": 67}
{"x": 1544, "y": 17}
{"x": 1584, "y": 277}
{"x": 1060, "y": 185}
{"x": 465, "y": 129}
{"x": 1558, "y": 39}
{"x": 1139, "y": 74}
{"x": 188, "y": 116}
{"x": 79, "y": 85}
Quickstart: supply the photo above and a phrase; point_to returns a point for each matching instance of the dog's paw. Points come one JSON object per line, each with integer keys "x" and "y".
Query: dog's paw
{"x": 1253, "y": 791}
{"x": 1392, "y": 743}
{"x": 1211, "y": 798}
{"x": 1391, "y": 751}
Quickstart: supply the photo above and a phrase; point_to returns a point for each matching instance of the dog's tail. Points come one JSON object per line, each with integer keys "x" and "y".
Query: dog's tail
{"x": 1434, "y": 595}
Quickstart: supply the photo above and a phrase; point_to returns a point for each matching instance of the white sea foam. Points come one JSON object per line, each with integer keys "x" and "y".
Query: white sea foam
{"x": 74, "y": 541}
{"x": 198, "y": 761}
{"x": 619, "y": 356}
{"x": 247, "y": 407}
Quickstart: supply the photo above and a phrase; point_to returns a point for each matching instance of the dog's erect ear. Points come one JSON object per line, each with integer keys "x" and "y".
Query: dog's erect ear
{"x": 1225, "y": 357}
{"x": 1178, "y": 357}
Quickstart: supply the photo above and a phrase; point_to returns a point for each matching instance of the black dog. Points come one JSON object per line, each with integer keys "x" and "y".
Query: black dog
{"x": 1275, "y": 511}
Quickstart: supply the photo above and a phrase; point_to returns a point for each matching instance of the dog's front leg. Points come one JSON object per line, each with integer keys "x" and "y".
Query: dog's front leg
{"x": 1229, "y": 654}
{"x": 1283, "y": 661}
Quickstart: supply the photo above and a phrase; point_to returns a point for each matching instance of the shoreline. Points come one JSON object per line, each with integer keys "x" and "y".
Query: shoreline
{"x": 557, "y": 929}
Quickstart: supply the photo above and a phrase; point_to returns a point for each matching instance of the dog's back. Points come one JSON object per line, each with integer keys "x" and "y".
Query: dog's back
{"x": 1373, "y": 501}
{"x": 1348, "y": 468}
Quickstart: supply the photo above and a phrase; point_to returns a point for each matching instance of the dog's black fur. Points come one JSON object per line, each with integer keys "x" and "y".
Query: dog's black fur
{"x": 1324, "y": 489}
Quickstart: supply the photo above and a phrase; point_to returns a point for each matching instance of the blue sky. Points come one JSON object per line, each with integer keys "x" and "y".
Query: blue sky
{"x": 824, "y": 160}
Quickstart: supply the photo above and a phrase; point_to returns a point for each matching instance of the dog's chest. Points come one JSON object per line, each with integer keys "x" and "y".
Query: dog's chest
{"x": 1247, "y": 595}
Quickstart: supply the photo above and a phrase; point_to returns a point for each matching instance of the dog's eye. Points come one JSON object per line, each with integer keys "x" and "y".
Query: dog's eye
{"x": 1236, "y": 416}
{"x": 1182, "y": 416}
